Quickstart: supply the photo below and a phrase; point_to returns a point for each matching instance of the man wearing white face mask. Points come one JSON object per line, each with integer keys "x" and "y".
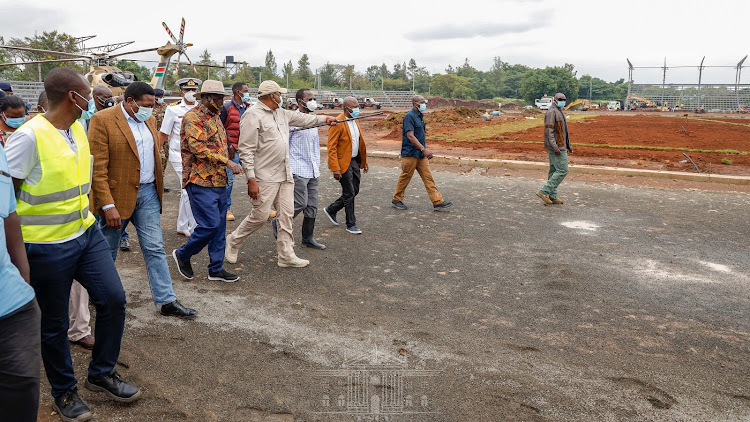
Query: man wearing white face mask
{"x": 304, "y": 160}
{"x": 170, "y": 130}
{"x": 264, "y": 151}
{"x": 128, "y": 186}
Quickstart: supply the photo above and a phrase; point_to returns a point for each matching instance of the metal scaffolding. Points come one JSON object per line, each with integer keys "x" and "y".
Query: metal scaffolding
{"x": 714, "y": 98}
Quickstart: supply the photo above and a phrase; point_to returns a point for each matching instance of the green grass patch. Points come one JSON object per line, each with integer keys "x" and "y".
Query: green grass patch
{"x": 494, "y": 132}
{"x": 518, "y": 101}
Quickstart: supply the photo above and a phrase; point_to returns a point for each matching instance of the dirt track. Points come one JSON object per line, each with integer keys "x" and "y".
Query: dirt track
{"x": 614, "y": 139}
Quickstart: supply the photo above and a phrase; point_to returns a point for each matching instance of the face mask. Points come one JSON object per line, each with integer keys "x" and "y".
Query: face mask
{"x": 281, "y": 101}
{"x": 43, "y": 109}
{"x": 190, "y": 96}
{"x": 354, "y": 112}
{"x": 14, "y": 122}
{"x": 143, "y": 113}
{"x": 86, "y": 114}
{"x": 311, "y": 105}
{"x": 160, "y": 101}
{"x": 423, "y": 107}
{"x": 246, "y": 97}
{"x": 561, "y": 104}
{"x": 215, "y": 105}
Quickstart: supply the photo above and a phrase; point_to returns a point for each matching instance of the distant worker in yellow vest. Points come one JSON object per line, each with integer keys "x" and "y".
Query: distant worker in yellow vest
{"x": 50, "y": 162}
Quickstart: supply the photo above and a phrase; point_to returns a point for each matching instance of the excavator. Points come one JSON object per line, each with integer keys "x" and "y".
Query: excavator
{"x": 585, "y": 105}
{"x": 640, "y": 102}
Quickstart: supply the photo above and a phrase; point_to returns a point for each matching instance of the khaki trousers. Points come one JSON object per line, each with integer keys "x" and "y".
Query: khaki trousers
{"x": 280, "y": 195}
{"x": 78, "y": 312}
{"x": 422, "y": 166}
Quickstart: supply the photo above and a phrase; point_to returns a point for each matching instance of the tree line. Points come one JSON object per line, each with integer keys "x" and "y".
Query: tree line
{"x": 501, "y": 80}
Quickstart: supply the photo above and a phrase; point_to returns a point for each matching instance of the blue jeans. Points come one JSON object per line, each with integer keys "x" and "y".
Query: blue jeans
{"x": 125, "y": 234}
{"x": 53, "y": 268}
{"x": 209, "y": 207}
{"x": 230, "y": 177}
{"x": 146, "y": 218}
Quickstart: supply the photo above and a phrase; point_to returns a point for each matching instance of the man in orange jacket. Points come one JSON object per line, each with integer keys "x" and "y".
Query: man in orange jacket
{"x": 347, "y": 154}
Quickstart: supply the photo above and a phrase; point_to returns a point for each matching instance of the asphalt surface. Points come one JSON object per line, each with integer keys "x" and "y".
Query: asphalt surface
{"x": 622, "y": 304}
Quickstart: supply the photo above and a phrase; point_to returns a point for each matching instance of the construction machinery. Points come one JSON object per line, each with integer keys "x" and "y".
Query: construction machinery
{"x": 639, "y": 102}
{"x": 585, "y": 105}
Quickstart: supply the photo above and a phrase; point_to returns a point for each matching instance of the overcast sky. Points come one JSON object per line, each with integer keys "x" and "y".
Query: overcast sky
{"x": 594, "y": 35}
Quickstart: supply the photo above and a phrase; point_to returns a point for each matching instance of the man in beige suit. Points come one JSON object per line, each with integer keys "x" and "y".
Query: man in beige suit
{"x": 264, "y": 153}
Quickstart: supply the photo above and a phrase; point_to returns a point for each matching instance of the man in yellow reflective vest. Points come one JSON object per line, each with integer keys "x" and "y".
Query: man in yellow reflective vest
{"x": 50, "y": 162}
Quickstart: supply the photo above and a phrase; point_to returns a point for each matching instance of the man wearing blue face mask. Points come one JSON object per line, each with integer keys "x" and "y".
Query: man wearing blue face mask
{"x": 50, "y": 162}
{"x": 555, "y": 137}
{"x": 12, "y": 115}
{"x": 230, "y": 116}
{"x": 128, "y": 186}
{"x": 416, "y": 156}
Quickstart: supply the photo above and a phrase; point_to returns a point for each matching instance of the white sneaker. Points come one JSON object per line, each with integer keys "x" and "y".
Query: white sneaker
{"x": 295, "y": 262}
{"x": 230, "y": 254}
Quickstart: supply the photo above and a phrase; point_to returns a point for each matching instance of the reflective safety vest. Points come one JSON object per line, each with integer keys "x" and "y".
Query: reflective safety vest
{"x": 58, "y": 206}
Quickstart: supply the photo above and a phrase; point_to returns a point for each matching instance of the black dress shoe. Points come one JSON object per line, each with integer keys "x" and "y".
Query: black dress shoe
{"x": 443, "y": 205}
{"x": 71, "y": 407}
{"x": 114, "y": 387}
{"x": 176, "y": 309}
{"x": 223, "y": 275}
{"x": 184, "y": 267}
{"x": 398, "y": 204}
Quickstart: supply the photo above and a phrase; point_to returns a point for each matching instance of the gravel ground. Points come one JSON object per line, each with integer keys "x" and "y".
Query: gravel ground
{"x": 627, "y": 303}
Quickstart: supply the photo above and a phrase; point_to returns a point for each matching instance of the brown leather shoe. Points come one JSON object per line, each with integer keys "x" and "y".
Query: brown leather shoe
{"x": 86, "y": 342}
{"x": 544, "y": 197}
{"x": 230, "y": 216}
{"x": 557, "y": 201}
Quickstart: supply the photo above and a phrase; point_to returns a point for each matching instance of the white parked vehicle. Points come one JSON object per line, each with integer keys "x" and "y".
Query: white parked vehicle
{"x": 543, "y": 103}
{"x": 613, "y": 105}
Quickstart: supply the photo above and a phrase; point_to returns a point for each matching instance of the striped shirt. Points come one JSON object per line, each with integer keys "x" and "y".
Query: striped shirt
{"x": 304, "y": 153}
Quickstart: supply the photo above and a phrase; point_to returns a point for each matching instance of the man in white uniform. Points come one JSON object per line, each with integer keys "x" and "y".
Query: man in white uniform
{"x": 170, "y": 129}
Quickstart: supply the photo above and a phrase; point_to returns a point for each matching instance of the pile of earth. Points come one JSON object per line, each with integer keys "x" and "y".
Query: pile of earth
{"x": 533, "y": 111}
{"x": 440, "y": 102}
{"x": 511, "y": 106}
{"x": 440, "y": 117}
{"x": 449, "y": 115}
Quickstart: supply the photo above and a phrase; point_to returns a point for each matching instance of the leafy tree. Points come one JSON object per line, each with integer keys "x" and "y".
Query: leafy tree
{"x": 372, "y": 73}
{"x": 53, "y": 41}
{"x": 270, "y": 63}
{"x": 328, "y": 75}
{"x": 243, "y": 73}
{"x": 452, "y": 86}
{"x": 548, "y": 81}
{"x": 303, "y": 69}
{"x": 495, "y": 78}
{"x": 288, "y": 69}
{"x": 347, "y": 75}
{"x": 513, "y": 74}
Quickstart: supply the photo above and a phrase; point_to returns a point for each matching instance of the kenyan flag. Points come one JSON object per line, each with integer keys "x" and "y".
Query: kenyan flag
{"x": 160, "y": 70}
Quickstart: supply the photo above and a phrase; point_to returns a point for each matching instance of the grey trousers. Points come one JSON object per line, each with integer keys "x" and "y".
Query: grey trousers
{"x": 306, "y": 196}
